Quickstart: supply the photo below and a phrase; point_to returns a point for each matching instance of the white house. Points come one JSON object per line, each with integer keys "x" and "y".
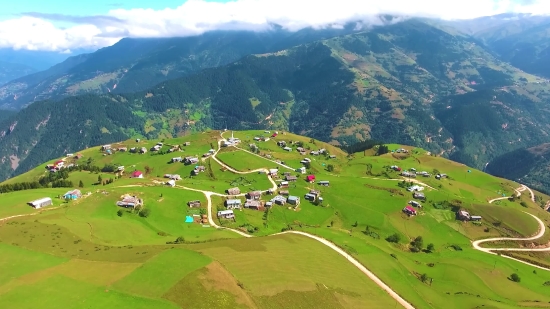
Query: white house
{"x": 43, "y": 202}
{"x": 171, "y": 183}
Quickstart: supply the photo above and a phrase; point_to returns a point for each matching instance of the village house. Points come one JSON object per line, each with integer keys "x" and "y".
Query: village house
{"x": 78, "y": 156}
{"x": 70, "y": 155}
{"x": 212, "y": 151}
{"x": 190, "y": 160}
{"x": 172, "y": 176}
{"x": 415, "y": 188}
{"x": 283, "y": 184}
{"x": 322, "y": 151}
{"x": 310, "y": 197}
{"x": 123, "y": 149}
{"x": 138, "y": 140}
{"x": 137, "y": 174}
{"x": 314, "y": 153}
{"x": 281, "y": 143}
{"x": 287, "y": 149}
{"x": 408, "y": 174}
{"x": 254, "y": 195}
{"x": 233, "y": 204}
{"x": 187, "y": 144}
{"x": 226, "y": 214}
{"x": 300, "y": 149}
{"x": 273, "y": 171}
{"x": 291, "y": 178}
{"x": 440, "y": 176}
{"x": 409, "y": 210}
{"x": 475, "y": 218}
{"x": 177, "y": 159}
{"x": 279, "y": 200}
{"x": 194, "y": 204}
{"x": 204, "y": 219}
{"x": 310, "y": 178}
{"x": 301, "y": 170}
{"x": 198, "y": 170}
{"x": 268, "y": 204}
{"x": 284, "y": 192}
{"x": 105, "y": 147}
{"x": 415, "y": 204}
{"x": 171, "y": 183}
{"x": 463, "y": 215}
{"x": 324, "y": 183}
{"x": 129, "y": 201}
{"x": 206, "y": 155}
{"x": 332, "y": 156}
{"x": 72, "y": 195}
{"x": 252, "y": 204}
{"x": 143, "y": 150}
{"x": 396, "y": 168}
{"x": 155, "y": 148}
{"x": 419, "y": 196}
{"x": 43, "y": 202}
{"x": 294, "y": 200}
{"x": 233, "y": 191}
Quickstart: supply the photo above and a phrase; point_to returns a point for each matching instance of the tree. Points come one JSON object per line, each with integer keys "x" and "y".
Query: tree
{"x": 423, "y": 277}
{"x": 148, "y": 169}
{"x": 80, "y": 184}
{"x": 330, "y": 168}
{"x": 418, "y": 243}
{"x": 120, "y": 212}
{"x": 382, "y": 149}
{"x": 145, "y": 212}
{"x": 515, "y": 277}
{"x": 430, "y": 247}
{"x": 395, "y": 238}
{"x": 99, "y": 179}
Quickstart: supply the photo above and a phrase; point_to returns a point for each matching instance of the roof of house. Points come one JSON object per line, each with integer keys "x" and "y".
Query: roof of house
{"x": 225, "y": 212}
{"x": 42, "y": 200}
{"x": 293, "y": 198}
{"x": 75, "y": 191}
{"x": 136, "y": 173}
{"x": 254, "y": 193}
{"x": 233, "y": 201}
{"x": 409, "y": 208}
{"x": 324, "y": 181}
{"x": 475, "y": 217}
{"x": 310, "y": 176}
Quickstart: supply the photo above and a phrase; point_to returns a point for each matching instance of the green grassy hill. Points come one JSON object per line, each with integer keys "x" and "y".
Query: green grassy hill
{"x": 98, "y": 254}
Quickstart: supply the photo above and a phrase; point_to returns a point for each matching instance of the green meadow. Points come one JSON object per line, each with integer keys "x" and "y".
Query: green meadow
{"x": 92, "y": 253}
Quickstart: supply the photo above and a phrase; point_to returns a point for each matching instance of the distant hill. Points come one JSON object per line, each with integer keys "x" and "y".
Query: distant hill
{"x": 137, "y": 64}
{"x": 410, "y": 83}
{"x": 10, "y": 71}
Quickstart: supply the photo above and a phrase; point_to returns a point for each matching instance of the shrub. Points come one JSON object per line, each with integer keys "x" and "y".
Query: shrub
{"x": 522, "y": 203}
{"x": 145, "y": 212}
{"x": 515, "y": 277}
{"x": 430, "y": 247}
{"x": 393, "y": 256}
{"x": 395, "y": 238}
{"x": 120, "y": 212}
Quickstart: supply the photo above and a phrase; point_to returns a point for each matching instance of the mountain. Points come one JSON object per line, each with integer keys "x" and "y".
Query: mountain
{"x": 10, "y": 71}
{"x": 137, "y": 64}
{"x": 410, "y": 83}
{"x": 39, "y": 60}
{"x": 520, "y": 39}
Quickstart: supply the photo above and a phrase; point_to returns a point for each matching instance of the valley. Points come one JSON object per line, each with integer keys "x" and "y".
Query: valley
{"x": 223, "y": 262}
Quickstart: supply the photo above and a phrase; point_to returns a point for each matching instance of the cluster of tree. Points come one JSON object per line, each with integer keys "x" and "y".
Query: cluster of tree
{"x": 19, "y": 186}
{"x": 361, "y": 146}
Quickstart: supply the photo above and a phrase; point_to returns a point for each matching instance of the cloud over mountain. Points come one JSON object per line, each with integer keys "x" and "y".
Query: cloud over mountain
{"x": 38, "y": 31}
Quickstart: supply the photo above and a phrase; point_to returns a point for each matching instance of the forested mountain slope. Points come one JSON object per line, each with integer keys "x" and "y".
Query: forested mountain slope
{"x": 136, "y": 64}
{"x": 407, "y": 83}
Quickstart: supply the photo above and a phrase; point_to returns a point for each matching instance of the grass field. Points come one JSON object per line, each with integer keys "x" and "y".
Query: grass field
{"x": 96, "y": 256}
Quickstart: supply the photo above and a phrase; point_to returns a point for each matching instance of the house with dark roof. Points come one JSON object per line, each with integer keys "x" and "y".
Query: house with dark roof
{"x": 294, "y": 200}
{"x": 233, "y": 204}
{"x": 252, "y": 204}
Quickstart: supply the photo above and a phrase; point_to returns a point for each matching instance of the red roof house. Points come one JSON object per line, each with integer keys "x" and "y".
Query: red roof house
{"x": 408, "y": 209}
{"x": 60, "y": 162}
{"x": 310, "y": 178}
{"x": 137, "y": 174}
{"x": 274, "y": 135}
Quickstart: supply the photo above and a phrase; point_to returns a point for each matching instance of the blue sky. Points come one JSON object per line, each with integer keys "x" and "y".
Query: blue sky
{"x": 81, "y": 7}
{"x": 65, "y": 25}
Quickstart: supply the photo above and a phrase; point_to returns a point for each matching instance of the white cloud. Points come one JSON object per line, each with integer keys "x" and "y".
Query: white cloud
{"x": 198, "y": 16}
